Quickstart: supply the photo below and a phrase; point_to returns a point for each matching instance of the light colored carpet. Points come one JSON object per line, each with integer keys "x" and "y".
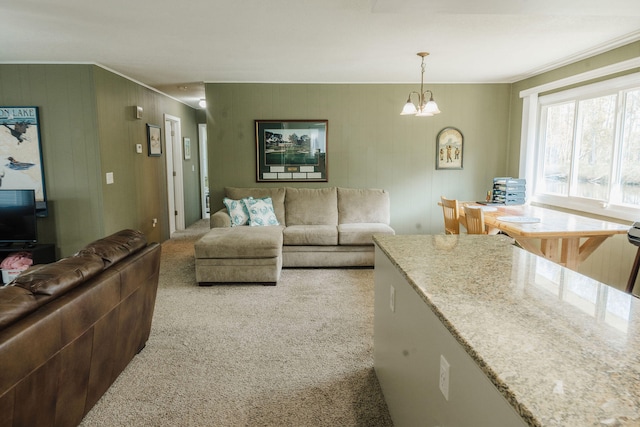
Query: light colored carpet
{"x": 296, "y": 354}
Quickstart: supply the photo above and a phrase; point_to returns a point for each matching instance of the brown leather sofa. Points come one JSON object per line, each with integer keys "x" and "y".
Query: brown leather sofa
{"x": 68, "y": 329}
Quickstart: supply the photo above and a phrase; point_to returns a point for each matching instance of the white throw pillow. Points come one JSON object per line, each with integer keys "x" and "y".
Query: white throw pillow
{"x": 261, "y": 211}
{"x": 237, "y": 211}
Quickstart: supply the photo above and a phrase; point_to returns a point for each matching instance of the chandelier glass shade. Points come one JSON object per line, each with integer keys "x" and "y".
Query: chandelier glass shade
{"x": 424, "y": 105}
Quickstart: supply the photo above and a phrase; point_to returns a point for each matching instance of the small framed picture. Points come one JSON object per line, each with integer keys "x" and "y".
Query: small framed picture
{"x": 449, "y": 149}
{"x": 187, "y": 148}
{"x": 153, "y": 140}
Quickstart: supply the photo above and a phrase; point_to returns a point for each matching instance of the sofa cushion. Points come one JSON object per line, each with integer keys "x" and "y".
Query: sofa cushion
{"x": 363, "y": 205}
{"x": 220, "y": 218}
{"x": 311, "y": 206}
{"x": 55, "y": 279}
{"x": 360, "y": 233}
{"x": 117, "y": 246}
{"x": 310, "y": 235}
{"x": 260, "y": 212}
{"x": 240, "y": 242}
{"x": 276, "y": 194}
{"x": 15, "y": 303}
{"x": 237, "y": 210}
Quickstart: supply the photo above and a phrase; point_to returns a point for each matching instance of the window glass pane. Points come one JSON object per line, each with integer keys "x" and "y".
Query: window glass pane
{"x": 596, "y": 132}
{"x": 557, "y": 149}
{"x": 630, "y": 167}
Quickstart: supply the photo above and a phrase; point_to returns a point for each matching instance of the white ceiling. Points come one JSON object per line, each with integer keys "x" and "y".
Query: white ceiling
{"x": 176, "y": 46}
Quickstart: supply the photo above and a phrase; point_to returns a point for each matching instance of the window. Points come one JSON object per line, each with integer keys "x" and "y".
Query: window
{"x": 586, "y": 154}
{"x": 630, "y": 164}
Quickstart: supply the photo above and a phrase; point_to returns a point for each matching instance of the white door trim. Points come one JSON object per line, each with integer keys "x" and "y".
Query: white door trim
{"x": 175, "y": 191}
{"x": 204, "y": 170}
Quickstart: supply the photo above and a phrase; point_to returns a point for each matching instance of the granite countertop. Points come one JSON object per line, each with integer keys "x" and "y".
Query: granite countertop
{"x": 563, "y": 349}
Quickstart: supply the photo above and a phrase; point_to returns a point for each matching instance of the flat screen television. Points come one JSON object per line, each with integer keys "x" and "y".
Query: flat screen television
{"x": 17, "y": 217}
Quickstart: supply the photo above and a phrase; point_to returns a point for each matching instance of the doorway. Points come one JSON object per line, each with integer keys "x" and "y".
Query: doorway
{"x": 204, "y": 171}
{"x": 175, "y": 192}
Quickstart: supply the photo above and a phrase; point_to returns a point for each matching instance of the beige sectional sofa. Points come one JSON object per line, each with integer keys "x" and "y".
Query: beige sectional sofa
{"x": 316, "y": 227}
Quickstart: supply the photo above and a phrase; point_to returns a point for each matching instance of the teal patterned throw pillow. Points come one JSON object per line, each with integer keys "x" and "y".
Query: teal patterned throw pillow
{"x": 237, "y": 211}
{"x": 260, "y": 211}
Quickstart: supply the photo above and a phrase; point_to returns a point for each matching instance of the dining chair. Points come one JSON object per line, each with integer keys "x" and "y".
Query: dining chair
{"x": 451, "y": 215}
{"x": 475, "y": 220}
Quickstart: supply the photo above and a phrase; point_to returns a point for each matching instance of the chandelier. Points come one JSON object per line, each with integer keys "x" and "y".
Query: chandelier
{"x": 422, "y": 108}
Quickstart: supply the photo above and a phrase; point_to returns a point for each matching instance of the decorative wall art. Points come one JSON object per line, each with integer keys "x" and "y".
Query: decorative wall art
{"x": 449, "y": 149}
{"x": 21, "y": 165}
{"x": 291, "y": 150}
{"x": 153, "y": 140}
{"x": 187, "y": 148}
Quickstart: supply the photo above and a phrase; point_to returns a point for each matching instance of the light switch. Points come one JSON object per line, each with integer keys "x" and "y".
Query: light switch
{"x": 109, "y": 177}
{"x": 392, "y": 299}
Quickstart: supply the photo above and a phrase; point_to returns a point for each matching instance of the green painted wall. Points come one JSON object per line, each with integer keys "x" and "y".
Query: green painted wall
{"x": 140, "y": 182}
{"x": 369, "y": 143}
{"x": 623, "y": 53}
{"x": 88, "y": 129}
{"x": 70, "y": 150}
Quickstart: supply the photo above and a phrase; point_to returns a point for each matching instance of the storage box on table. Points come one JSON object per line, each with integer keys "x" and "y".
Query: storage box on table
{"x": 509, "y": 191}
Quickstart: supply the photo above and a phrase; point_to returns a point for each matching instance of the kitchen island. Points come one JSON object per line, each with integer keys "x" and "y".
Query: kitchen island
{"x": 526, "y": 341}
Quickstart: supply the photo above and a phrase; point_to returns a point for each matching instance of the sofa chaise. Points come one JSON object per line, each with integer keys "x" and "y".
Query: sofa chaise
{"x": 308, "y": 227}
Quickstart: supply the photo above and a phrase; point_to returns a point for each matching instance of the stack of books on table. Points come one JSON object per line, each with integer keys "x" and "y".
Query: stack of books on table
{"x": 508, "y": 191}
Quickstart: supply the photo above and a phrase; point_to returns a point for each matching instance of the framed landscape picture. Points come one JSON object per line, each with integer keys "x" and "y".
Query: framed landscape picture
{"x": 291, "y": 150}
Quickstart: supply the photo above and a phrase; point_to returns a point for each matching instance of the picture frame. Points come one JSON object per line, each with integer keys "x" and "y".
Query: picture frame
{"x": 291, "y": 150}
{"x": 187, "y": 148}
{"x": 154, "y": 140}
{"x": 449, "y": 148}
{"x": 21, "y": 162}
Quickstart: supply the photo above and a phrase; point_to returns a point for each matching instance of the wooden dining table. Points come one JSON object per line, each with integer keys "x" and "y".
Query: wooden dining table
{"x": 562, "y": 237}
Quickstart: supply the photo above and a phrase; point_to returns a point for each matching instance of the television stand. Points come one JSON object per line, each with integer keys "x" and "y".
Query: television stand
{"x": 42, "y": 253}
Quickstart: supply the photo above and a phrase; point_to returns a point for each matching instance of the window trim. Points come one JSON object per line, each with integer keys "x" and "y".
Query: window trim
{"x": 529, "y": 149}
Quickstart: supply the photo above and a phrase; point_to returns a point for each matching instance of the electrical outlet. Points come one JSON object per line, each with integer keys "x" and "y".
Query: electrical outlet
{"x": 392, "y": 299}
{"x": 444, "y": 377}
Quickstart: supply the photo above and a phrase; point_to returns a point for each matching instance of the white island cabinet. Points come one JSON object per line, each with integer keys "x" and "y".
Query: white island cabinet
{"x": 473, "y": 331}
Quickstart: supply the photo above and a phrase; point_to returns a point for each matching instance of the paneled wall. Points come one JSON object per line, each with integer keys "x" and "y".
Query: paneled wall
{"x": 369, "y": 143}
{"x": 70, "y": 146}
{"x": 139, "y": 191}
{"x": 87, "y": 129}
